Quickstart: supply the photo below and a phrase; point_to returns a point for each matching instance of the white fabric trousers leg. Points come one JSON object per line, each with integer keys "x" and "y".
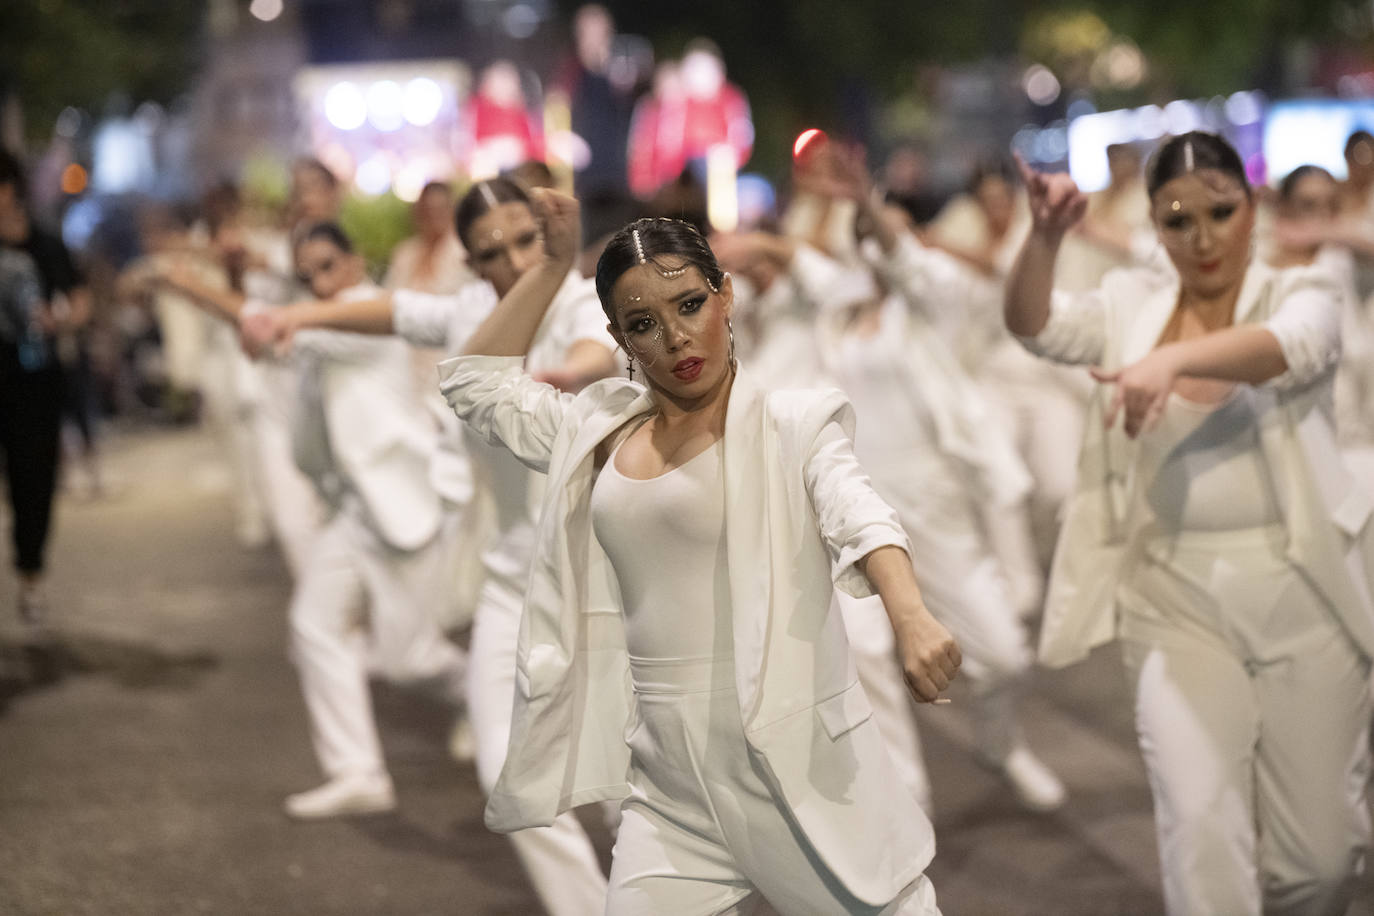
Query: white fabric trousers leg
{"x": 870, "y": 638}
{"x": 559, "y": 859}
{"x": 352, "y": 580}
{"x": 700, "y": 832}
{"x": 963, "y": 585}
{"x": 1253, "y": 713}
{"x": 293, "y": 509}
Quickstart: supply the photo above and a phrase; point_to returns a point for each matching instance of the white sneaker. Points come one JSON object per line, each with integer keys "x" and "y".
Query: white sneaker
{"x": 343, "y": 795}
{"x": 1035, "y": 785}
{"x": 462, "y": 743}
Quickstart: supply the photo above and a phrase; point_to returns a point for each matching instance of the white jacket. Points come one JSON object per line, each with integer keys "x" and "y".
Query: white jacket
{"x": 1325, "y": 512}
{"x": 359, "y": 430}
{"x": 798, "y": 518}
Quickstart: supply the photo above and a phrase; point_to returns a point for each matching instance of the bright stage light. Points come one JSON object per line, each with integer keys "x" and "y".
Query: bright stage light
{"x": 805, "y": 139}
{"x": 345, "y": 106}
{"x": 266, "y": 10}
{"x": 423, "y": 99}
{"x": 374, "y": 175}
{"x": 384, "y": 104}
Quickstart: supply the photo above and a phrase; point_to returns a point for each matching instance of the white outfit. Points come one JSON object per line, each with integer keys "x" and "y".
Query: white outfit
{"x": 799, "y": 515}
{"x": 1249, "y": 647}
{"x": 708, "y": 837}
{"x": 925, "y": 437}
{"x": 294, "y": 512}
{"x": 559, "y": 859}
{"x": 367, "y": 445}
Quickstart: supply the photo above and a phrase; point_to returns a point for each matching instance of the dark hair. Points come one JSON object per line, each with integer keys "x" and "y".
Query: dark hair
{"x": 1290, "y": 181}
{"x": 329, "y": 232}
{"x": 1355, "y": 139}
{"x": 311, "y": 164}
{"x": 220, "y": 204}
{"x": 1190, "y": 152}
{"x": 477, "y": 202}
{"x": 990, "y": 167}
{"x": 657, "y": 238}
{"x": 12, "y": 173}
{"x": 435, "y": 186}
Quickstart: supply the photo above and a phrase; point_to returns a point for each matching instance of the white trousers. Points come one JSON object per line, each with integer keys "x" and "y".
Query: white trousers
{"x": 700, "y": 832}
{"x": 294, "y": 510}
{"x": 359, "y": 601}
{"x": 875, "y": 656}
{"x": 1253, "y": 713}
{"x": 559, "y": 859}
{"x": 964, "y": 586}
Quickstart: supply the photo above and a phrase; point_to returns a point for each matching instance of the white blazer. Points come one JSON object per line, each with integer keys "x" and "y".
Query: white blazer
{"x": 798, "y": 518}
{"x": 360, "y": 429}
{"x": 1325, "y": 511}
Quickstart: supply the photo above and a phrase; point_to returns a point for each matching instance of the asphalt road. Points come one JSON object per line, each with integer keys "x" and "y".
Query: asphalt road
{"x": 146, "y": 747}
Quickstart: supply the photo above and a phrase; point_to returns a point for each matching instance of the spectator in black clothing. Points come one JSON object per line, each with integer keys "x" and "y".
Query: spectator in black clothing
{"x": 38, "y": 270}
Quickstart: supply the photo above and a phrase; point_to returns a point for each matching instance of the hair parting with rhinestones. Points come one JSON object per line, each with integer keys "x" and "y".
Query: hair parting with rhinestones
{"x": 1193, "y": 152}
{"x": 668, "y": 244}
{"x": 481, "y": 199}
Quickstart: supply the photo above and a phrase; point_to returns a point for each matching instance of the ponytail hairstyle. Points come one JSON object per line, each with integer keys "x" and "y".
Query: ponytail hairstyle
{"x": 1191, "y": 152}
{"x": 481, "y": 199}
{"x": 650, "y": 241}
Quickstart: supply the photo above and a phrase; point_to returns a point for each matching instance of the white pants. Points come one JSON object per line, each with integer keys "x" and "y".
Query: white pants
{"x": 1044, "y": 407}
{"x": 964, "y": 586}
{"x": 700, "y": 832}
{"x": 1253, "y": 712}
{"x": 875, "y": 656}
{"x": 559, "y": 859}
{"x": 294, "y": 511}
{"x": 230, "y": 410}
{"x": 351, "y": 579}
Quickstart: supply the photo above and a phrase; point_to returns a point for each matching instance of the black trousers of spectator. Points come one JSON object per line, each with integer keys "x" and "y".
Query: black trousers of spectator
{"x": 30, "y": 425}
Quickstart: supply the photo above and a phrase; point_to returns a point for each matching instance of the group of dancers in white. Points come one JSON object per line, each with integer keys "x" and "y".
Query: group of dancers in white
{"x": 739, "y": 500}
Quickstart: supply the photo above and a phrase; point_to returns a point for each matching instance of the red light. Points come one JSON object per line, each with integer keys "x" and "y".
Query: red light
{"x": 812, "y": 140}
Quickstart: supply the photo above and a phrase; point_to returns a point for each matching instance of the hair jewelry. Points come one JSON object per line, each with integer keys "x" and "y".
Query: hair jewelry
{"x": 639, "y": 246}
{"x": 487, "y": 195}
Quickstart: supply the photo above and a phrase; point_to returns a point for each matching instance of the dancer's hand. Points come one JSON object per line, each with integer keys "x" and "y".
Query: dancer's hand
{"x": 1056, "y": 204}
{"x": 930, "y": 658}
{"x": 1142, "y": 389}
{"x": 259, "y": 332}
{"x": 559, "y": 216}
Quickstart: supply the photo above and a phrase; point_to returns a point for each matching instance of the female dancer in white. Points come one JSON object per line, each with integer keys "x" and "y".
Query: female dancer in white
{"x": 362, "y": 437}
{"x": 1218, "y": 535}
{"x": 499, "y": 229}
{"x": 680, "y": 604}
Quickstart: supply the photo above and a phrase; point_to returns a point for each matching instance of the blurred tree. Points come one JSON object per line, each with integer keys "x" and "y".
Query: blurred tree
{"x": 56, "y": 53}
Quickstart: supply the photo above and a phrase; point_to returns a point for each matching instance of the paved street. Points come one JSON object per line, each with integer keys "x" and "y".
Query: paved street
{"x": 145, "y": 752}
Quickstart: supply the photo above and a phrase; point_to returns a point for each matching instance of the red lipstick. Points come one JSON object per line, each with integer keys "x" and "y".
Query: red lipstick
{"x": 689, "y": 368}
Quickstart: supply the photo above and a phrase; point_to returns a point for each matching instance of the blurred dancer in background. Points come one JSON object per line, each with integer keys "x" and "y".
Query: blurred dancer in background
{"x": 1216, "y": 532}
{"x": 361, "y": 436}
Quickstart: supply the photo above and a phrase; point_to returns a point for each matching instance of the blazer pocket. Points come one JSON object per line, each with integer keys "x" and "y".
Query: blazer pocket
{"x": 844, "y": 711}
{"x": 540, "y": 671}
{"x": 1352, "y": 513}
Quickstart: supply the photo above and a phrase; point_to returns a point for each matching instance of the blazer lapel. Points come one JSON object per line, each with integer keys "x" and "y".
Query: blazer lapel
{"x": 747, "y": 534}
{"x": 1145, "y": 326}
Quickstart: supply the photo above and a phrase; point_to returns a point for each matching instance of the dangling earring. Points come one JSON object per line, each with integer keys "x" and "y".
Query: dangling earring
{"x": 630, "y": 366}
{"x": 730, "y": 329}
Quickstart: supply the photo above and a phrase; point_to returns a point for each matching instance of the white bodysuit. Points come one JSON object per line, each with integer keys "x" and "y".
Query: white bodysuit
{"x": 700, "y": 830}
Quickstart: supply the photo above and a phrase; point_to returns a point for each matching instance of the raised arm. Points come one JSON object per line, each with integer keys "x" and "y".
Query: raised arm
{"x": 510, "y": 328}
{"x": 1056, "y": 205}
